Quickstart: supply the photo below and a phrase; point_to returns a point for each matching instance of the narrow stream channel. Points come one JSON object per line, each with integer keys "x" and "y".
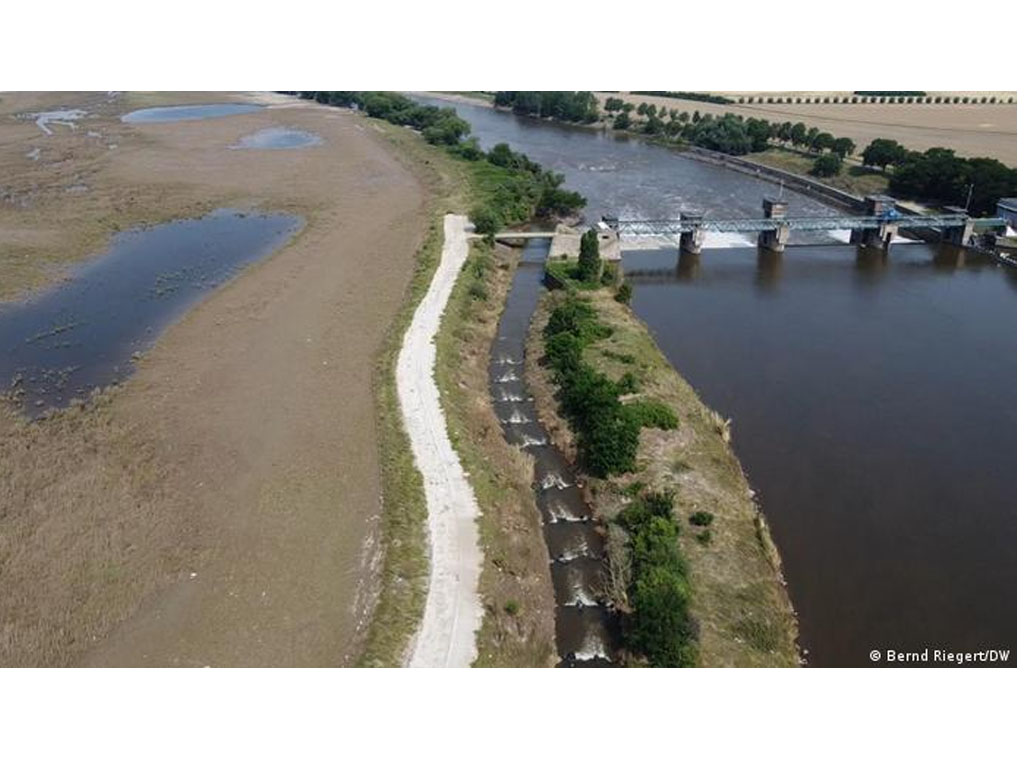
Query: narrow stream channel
{"x": 586, "y": 629}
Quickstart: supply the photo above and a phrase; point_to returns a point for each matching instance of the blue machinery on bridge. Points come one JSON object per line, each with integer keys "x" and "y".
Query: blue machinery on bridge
{"x": 875, "y": 228}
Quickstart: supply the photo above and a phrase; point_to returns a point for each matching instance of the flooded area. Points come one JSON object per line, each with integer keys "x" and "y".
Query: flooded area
{"x": 586, "y": 631}
{"x": 86, "y": 331}
{"x": 279, "y": 138}
{"x": 188, "y": 112}
{"x": 873, "y": 399}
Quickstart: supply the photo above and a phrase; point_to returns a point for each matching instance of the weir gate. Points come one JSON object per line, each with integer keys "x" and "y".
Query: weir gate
{"x": 875, "y": 228}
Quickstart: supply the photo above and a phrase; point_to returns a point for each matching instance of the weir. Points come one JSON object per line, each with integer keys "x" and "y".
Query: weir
{"x": 875, "y": 228}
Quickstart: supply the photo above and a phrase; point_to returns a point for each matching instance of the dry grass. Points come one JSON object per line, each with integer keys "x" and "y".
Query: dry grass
{"x": 86, "y": 532}
{"x": 516, "y": 570}
{"x": 739, "y": 599}
{"x": 852, "y": 178}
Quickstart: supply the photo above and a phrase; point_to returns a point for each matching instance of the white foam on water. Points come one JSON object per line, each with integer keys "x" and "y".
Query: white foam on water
{"x": 580, "y": 595}
{"x": 517, "y": 417}
{"x": 574, "y": 552}
{"x": 508, "y": 376}
{"x": 553, "y": 480}
{"x": 507, "y": 360}
{"x": 592, "y": 648}
{"x": 510, "y": 397}
{"x": 531, "y": 441}
{"x": 842, "y": 235}
{"x": 559, "y": 513}
{"x": 727, "y": 240}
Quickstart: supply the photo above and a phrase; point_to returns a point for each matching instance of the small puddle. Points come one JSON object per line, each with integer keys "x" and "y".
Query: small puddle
{"x": 586, "y": 628}
{"x": 187, "y": 112}
{"x": 87, "y": 331}
{"x": 278, "y": 138}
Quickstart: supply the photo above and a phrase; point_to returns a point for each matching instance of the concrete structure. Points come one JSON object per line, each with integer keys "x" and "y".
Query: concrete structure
{"x": 1006, "y": 208}
{"x": 958, "y": 235}
{"x": 691, "y": 238}
{"x": 774, "y": 239}
{"x": 881, "y": 233}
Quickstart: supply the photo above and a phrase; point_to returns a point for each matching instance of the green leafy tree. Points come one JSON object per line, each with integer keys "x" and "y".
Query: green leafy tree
{"x": 823, "y": 141}
{"x": 621, "y": 122}
{"x": 882, "y": 153}
{"x": 843, "y": 147}
{"x": 590, "y": 258}
{"x": 827, "y": 165}
{"x": 798, "y": 134}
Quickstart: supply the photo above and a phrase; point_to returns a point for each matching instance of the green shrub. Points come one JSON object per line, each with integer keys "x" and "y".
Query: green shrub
{"x": 478, "y": 291}
{"x": 609, "y": 274}
{"x": 628, "y": 384}
{"x": 648, "y": 413}
{"x": 624, "y": 294}
{"x": 564, "y": 352}
{"x": 512, "y": 608}
{"x": 704, "y": 537}
{"x": 701, "y": 518}
{"x": 590, "y": 258}
{"x": 661, "y": 628}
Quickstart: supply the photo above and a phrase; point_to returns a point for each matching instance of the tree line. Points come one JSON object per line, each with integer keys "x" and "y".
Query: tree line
{"x": 728, "y": 133}
{"x": 569, "y": 106}
{"x": 939, "y": 175}
{"x": 512, "y": 187}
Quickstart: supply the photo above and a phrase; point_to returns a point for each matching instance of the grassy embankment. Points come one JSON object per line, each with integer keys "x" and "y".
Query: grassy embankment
{"x": 515, "y": 584}
{"x": 852, "y": 177}
{"x": 734, "y": 588}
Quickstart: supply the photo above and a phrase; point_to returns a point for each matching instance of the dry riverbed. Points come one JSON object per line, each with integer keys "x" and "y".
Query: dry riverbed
{"x": 220, "y": 507}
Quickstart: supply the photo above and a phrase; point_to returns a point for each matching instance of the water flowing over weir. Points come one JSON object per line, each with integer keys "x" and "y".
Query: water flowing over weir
{"x": 586, "y": 629}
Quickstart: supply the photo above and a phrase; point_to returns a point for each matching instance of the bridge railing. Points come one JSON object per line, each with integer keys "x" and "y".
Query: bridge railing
{"x": 652, "y": 227}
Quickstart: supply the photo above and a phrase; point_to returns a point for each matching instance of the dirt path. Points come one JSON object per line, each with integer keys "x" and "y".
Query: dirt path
{"x": 447, "y": 636}
{"x": 220, "y": 508}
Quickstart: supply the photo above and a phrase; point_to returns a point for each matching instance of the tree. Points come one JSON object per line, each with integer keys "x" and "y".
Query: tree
{"x": 798, "y": 134}
{"x": 621, "y": 121}
{"x": 843, "y": 147}
{"x": 590, "y": 257}
{"x": 827, "y": 165}
{"x": 486, "y": 222}
{"x": 884, "y": 152}
{"x": 823, "y": 141}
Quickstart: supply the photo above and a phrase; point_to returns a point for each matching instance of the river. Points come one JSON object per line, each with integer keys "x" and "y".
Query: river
{"x": 873, "y": 400}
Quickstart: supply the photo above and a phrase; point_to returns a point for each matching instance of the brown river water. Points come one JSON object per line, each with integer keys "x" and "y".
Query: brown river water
{"x": 873, "y": 400}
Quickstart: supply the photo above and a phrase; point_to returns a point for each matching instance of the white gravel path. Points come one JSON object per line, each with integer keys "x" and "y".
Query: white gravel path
{"x": 447, "y": 635}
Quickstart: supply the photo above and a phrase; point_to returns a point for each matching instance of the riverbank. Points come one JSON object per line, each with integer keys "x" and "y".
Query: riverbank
{"x": 222, "y": 506}
{"x": 515, "y": 585}
{"x": 738, "y": 598}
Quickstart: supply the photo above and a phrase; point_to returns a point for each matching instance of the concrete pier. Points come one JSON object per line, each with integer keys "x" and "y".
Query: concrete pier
{"x": 774, "y": 239}
{"x": 877, "y": 238}
{"x": 691, "y": 242}
{"x": 960, "y": 235}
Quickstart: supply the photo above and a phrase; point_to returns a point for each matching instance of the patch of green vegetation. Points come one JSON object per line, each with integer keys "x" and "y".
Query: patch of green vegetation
{"x": 659, "y": 627}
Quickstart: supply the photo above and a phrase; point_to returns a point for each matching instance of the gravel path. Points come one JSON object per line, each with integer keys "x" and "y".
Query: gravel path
{"x": 447, "y": 635}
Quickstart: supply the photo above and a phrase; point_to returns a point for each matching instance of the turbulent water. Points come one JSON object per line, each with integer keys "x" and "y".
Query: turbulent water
{"x": 874, "y": 400}
{"x": 586, "y": 631}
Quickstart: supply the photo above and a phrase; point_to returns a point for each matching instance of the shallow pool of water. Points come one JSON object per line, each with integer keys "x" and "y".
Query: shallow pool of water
{"x": 187, "y": 112}
{"x": 278, "y": 138}
{"x": 85, "y": 332}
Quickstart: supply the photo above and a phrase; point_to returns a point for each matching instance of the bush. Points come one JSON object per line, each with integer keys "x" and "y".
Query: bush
{"x": 651, "y": 414}
{"x": 704, "y": 537}
{"x": 624, "y": 294}
{"x": 485, "y": 221}
{"x": 628, "y": 384}
{"x": 590, "y": 258}
{"x": 827, "y": 165}
{"x": 701, "y": 519}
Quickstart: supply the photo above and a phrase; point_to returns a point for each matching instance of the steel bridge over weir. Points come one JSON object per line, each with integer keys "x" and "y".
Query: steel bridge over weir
{"x": 874, "y": 228}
